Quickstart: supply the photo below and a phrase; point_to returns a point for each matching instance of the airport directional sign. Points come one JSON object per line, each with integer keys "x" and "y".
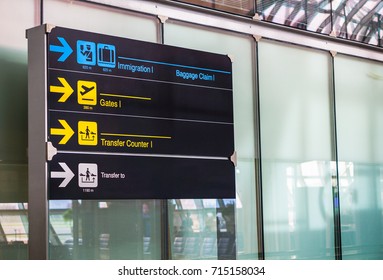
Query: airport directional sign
{"x": 128, "y": 119}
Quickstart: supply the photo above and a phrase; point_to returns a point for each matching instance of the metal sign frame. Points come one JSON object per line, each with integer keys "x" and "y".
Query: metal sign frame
{"x": 37, "y": 138}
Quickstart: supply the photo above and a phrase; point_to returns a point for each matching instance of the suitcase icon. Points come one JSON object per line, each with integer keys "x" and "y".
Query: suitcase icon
{"x": 106, "y": 55}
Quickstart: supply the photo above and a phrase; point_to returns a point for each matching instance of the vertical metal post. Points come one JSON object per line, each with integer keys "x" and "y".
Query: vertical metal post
{"x": 165, "y": 232}
{"x": 335, "y": 179}
{"x": 331, "y": 18}
{"x": 37, "y": 168}
{"x": 76, "y": 229}
{"x": 306, "y": 15}
{"x": 41, "y": 11}
{"x": 258, "y": 160}
{"x": 379, "y": 29}
{"x": 345, "y": 21}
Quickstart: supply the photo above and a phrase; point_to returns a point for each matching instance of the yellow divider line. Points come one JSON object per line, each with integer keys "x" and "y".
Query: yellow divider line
{"x": 137, "y": 135}
{"x": 126, "y": 96}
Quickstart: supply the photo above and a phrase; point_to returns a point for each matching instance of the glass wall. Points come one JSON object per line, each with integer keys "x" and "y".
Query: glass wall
{"x": 221, "y": 213}
{"x": 296, "y": 147}
{"x": 359, "y": 107}
{"x": 297, "y": 139}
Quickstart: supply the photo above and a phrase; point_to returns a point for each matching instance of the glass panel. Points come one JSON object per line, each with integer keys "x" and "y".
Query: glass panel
{"x": 120, "y": 229}
{"x": 240, "y": 50}
{"x": 296, "y": 152}
{"x": 359, "y": 100}
{"x": 13, "y": 127}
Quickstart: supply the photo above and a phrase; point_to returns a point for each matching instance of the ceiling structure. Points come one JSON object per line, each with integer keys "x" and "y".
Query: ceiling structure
{"x": 357, "y": 20}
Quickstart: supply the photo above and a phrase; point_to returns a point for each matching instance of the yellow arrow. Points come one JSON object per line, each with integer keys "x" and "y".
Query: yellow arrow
{"x": 65, "y": 89}
{"x": 66, "y": 131}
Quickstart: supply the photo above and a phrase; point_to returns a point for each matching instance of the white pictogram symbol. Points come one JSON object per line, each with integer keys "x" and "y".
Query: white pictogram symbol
{"x": 87, "y": 175}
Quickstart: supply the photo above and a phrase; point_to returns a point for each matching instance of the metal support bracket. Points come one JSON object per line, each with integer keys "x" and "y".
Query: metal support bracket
{"x": 257, "y": 37}
{"x": 163, "y": 19}
{"x": 233, "y": 158}
{"x": 51, "y": 151}
{"x": 49, "y": 27}
{"x": 256, "y": 17}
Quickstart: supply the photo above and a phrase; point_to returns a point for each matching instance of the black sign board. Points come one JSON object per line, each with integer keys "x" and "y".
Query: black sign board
{"x": 137, "y": 120}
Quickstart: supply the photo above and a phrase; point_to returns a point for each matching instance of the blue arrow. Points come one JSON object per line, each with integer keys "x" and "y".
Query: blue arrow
{"x": 65, "y": 49}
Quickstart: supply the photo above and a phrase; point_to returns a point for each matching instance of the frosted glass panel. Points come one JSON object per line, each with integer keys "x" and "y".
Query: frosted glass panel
{"x": 101, "y": 19}
{"x": 296, "y": 152}
{"x": 240, "y": 50}
{"x": 359, "y": 100}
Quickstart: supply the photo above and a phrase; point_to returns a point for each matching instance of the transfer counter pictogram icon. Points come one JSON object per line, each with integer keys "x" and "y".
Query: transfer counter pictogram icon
{"x": 87, "y": 133}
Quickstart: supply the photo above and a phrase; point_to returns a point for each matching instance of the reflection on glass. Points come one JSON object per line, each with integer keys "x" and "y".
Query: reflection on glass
{"x": 242, "y": 7}
{"x": 104, "y": 229}
{"x": 358, "y": 20}
{"x": 13, "y": 216}
{"x": 13, "y": 231}
{"x": 193, "y": 232}
{"x": 13, "y": 223}
{"x": 204, "y": 232}
{"x": 313, "y": 15}
{"x": 352, "y": 19}
{"x": 188, "y": 204}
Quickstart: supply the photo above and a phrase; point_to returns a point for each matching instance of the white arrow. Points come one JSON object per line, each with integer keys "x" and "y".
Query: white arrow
{"x": 67, "y": 174}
